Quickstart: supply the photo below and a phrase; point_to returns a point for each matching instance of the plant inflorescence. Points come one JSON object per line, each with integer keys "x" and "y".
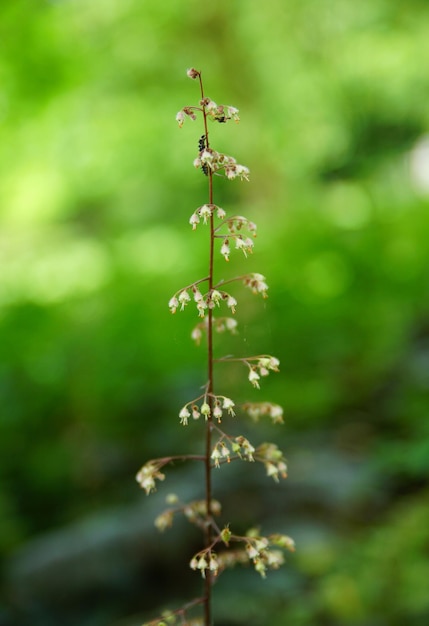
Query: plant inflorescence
{"x": 221, "y": 546}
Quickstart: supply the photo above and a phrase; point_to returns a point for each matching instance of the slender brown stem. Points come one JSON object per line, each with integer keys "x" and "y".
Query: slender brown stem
{"x": 210, "y": 385}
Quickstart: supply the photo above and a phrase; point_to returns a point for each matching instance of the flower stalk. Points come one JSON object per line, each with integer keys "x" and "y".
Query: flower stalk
{"x": 221, "y": 548}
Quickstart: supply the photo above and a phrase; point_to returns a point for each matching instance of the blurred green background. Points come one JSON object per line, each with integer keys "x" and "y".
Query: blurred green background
{"x": 96, "y": 189}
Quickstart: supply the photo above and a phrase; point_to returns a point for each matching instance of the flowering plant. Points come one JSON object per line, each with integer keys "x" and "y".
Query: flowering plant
{"x": 221, "y": 548}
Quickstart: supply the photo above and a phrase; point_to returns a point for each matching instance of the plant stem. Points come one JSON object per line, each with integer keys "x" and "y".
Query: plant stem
{"x": 210, "y": 385}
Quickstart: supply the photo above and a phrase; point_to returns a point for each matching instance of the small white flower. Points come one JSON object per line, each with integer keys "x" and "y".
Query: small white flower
{"x": 228, "y": 404}
{"x": 252, "y": 552}
{"x": 233, "y": 113}
{"x": 148, "y": 484}
{"x": 201, "y": 306}
{"x": 276, "y": 413}
{"x": 274, "y": 559}
{"x": 260, "y": 567}
{"x": 173, "y": 304}
{"x": 225, "y": 250}
{"x": 207, "y": 157}
{"x": 231, "y": 303}
{"x": 197, "y": 294}
{"x": 205, "y": 212}
{"x": 246, "y": 245}
{"x": 239, "y": 243}
{"x": 184, "y": 298}
{"x": 147, "y": 475}
{"x": 192, "y": 73}
{"x": 205, "y": 409}
{"x": 254, "y": 411}
{"x": 231, "y": 324}
{"x": 256, "y": 282}
{"x": 213, "y": 564}
{"x": 230, "y": 172}
{"x": 217, "y": 412}
{"x": 247, "y": 447}
{"x": 164, "y": 520}
{"x": 194, "y": 220}
{"x": 211, "y": 105}
{"x": 215, "y": 456}
{"x": 274, "y": 364}
{"x": 242, "y": 171}
{"x": 195, "y": 412}
{"x": 180, "y": 118}
{"x": 225, "y": 452}
{"x": 264, "y": 362}
{"x": 261, "y": 544}
{"x": 272, "y": 470}
{"x": 184, "y": 415}
{"x": 282, "y": 467}
{"x": 202, "y": 565}
{"x": 284, "y": 541}
{"x": 254, "y": 378}
{"x": 215, "y": 297}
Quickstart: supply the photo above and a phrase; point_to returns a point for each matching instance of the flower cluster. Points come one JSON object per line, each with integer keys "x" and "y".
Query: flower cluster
{"x": 205, "y": 560}
{"x": 231, "y": 558}
{"x": 239, "y": 446}
{"x": 195, "y": 512}
{"x": 262, "y": 367}
{"x": 220, "y": 452}
{"x": 258, "y": 409}
{"x": 220, "y": 113}
{"x": 215, "y": 112}
{"x": 218, "y": 162}
{"x": 264, "y": 552}
{"x": 198, "y": 508}
{"x": 209, "y": 300}
{"x": 256, "y": 282}
{"x": 273, "y": 459}
{"x": 236, "y": 223}
{"x": 263, "y": 559}
{"x": 164, "y": 520}
{"x": 220, "y": 325}
{"x": 218, "y": 406}
{"x": 243, "y": 448}
{"x": 245, "y": 244}
{"x": 148, "y": 474}
{"x": 259, "y": 550}
{"x": 204, "y": 212}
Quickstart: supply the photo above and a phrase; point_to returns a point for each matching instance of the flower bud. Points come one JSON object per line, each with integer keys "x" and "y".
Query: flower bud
{"x": 192, "y": 73}
{"x": 226, "y": 535}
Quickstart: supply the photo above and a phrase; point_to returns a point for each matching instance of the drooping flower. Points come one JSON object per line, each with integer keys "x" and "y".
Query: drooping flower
{"x": 254, "y": 377}
{"x": 184, "y": 415}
